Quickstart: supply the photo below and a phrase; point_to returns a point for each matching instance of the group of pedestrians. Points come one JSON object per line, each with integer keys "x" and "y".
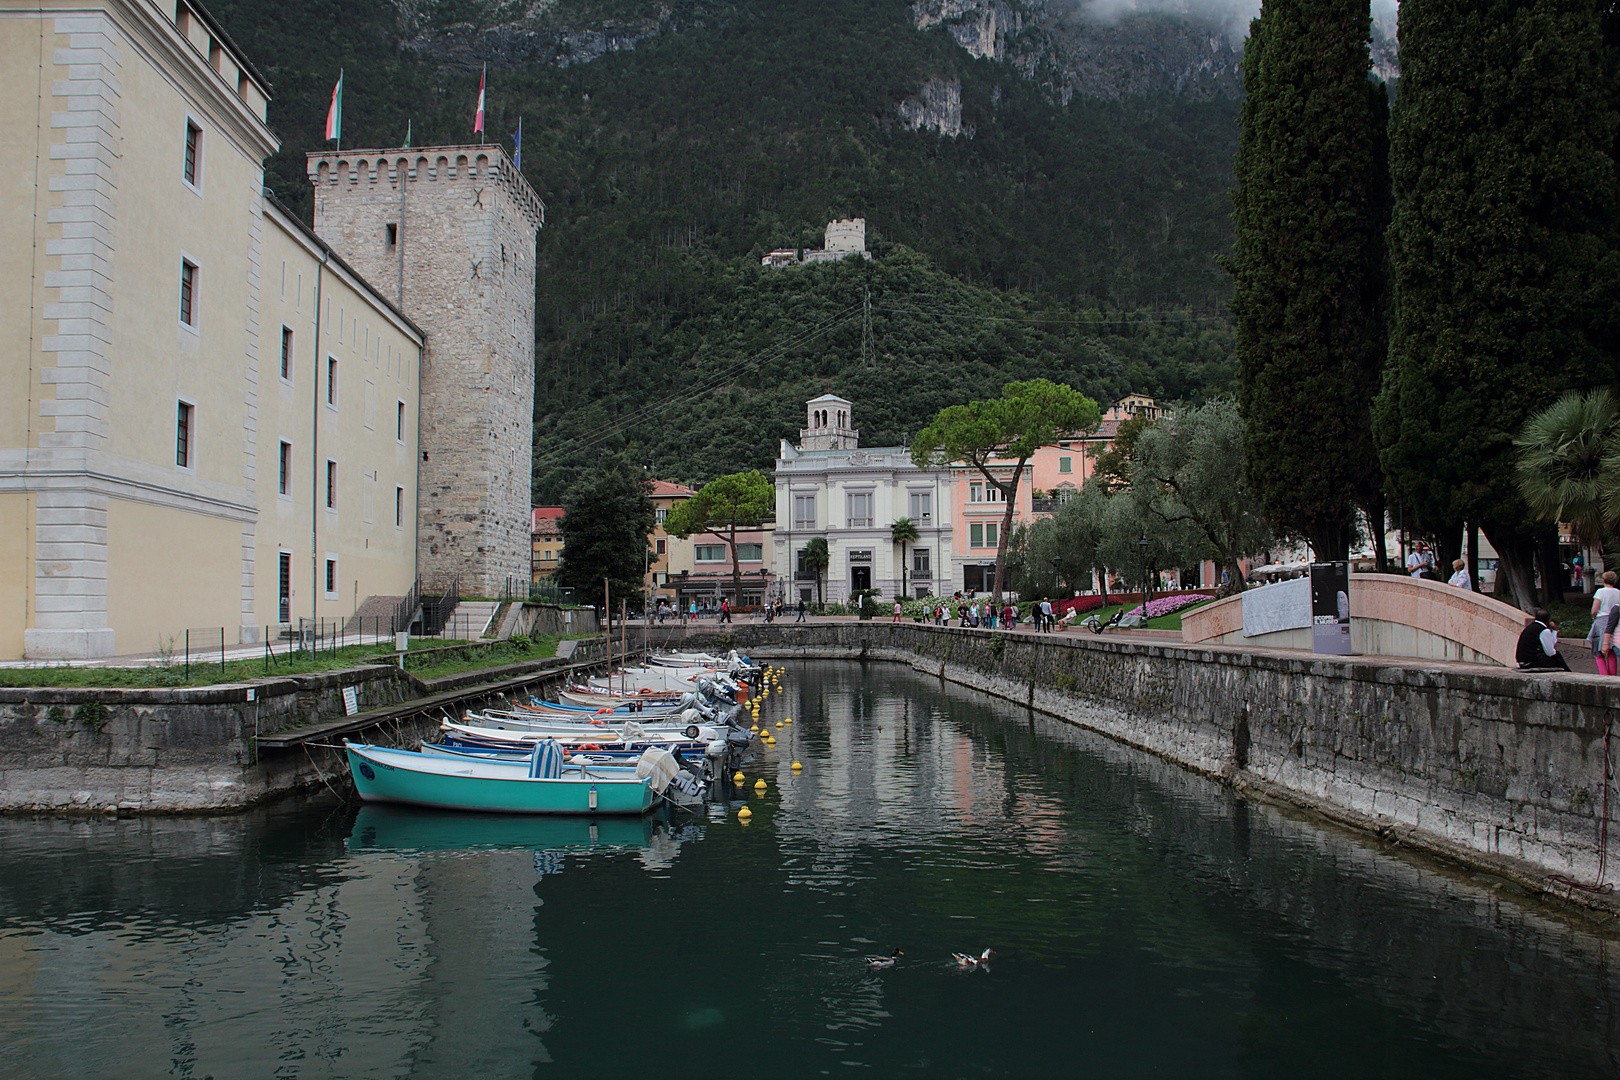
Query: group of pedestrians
{"x": 985, "y": 614}
{"x": 776, "y": 609}
{"x": 1538, "y": 641}
{"x": 1605, "y": 620}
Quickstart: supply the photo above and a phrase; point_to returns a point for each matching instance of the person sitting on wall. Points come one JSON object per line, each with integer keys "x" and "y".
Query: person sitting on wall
{"x": 1538, "y": 645}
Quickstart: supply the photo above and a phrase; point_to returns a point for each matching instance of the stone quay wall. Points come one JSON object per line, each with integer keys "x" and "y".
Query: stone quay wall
{"x": 1495, "y": 768}
{"x": 196, "y": 748}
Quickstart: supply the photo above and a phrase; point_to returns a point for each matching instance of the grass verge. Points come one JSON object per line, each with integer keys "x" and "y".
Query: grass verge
{"x": 202, "y": 673}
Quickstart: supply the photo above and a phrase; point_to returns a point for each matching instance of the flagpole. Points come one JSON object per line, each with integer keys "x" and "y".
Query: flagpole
{"x": 334, "y": 115}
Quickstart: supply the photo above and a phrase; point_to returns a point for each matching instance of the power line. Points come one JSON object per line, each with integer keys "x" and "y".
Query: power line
{"x": 656, "y": 408}
{"x": 1157, "y": 319}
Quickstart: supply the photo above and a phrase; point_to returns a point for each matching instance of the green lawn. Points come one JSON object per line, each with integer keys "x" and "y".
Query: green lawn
{"x": 202, "y": 673}
{"x": 1171, "y": 621}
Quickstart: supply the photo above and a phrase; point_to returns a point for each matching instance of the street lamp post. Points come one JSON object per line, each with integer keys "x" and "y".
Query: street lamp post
{"x": 1142, "y": 544}
{"x": 1057, "y": 569}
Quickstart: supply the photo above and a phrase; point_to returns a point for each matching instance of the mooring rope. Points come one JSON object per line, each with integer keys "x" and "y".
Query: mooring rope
{"x": 320, "y": 774}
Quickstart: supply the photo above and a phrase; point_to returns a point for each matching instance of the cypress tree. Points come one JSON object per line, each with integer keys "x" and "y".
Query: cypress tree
{"x": 1310, "y": 210}
{"x": 1502, "y": 249}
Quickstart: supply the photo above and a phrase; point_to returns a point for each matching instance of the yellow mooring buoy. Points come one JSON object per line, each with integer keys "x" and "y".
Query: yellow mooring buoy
{"x": 797, "y": 766}
{"x": 739, "y": 778}
{"x": 759, "y": 785}
{"x": 744, "y": 814}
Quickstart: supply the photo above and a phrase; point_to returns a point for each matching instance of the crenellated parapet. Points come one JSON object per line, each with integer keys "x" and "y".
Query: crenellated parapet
{"x": 384, "y": 168}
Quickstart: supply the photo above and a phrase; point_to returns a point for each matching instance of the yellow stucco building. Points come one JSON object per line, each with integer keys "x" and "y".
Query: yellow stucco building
{"x": 208, "y": 419}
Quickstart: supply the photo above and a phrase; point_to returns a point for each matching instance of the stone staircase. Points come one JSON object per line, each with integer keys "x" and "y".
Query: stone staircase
{"x": 470, "y": 620}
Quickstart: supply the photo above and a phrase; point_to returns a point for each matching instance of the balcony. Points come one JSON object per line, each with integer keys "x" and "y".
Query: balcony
{"x": 1045, "y": 506}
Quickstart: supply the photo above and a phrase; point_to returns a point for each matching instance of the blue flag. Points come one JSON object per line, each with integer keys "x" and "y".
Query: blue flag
{"x": 517, "y": 146}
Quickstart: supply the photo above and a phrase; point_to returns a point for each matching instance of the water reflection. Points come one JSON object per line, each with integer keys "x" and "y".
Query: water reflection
{"x": 1146, "y": 923}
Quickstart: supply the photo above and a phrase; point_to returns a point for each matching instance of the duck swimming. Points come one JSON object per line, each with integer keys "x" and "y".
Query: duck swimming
{"x": 877, "y": 963}
{"x": 967, "y": 963}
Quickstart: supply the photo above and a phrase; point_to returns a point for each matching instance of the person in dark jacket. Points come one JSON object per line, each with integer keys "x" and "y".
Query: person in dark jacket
{"x": 1538, "y": 645}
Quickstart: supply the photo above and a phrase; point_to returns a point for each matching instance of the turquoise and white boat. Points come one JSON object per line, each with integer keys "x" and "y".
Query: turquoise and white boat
{"x": 540, "y": 786}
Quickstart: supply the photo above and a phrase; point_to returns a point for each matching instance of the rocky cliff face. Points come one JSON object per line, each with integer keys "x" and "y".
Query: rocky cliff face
{"x": 1090, "y": 48}
{"x": 1073, "y": 51}
{"x": 1119, "y": 48}
{"x": 937, "y": 107}
{"x": 523, "y": 32}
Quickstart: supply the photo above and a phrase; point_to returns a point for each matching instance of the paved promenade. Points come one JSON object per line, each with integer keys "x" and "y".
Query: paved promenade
{"x": 1575, "y": 650}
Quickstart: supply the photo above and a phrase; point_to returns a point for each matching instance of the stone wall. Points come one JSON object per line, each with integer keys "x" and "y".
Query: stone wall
{"x": 539, "y": 620}
{"x": 1494, "y": 767}
{"x": 196, "y": 748}
{"x": 168, "y": 749}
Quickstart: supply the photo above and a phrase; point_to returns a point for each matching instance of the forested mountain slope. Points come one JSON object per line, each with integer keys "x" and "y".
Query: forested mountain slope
{"x": 701, "y": 133}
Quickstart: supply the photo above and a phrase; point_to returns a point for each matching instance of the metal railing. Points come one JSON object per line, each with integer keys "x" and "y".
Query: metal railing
{"x": 436, "y": 610}
{"x": 459, "y": 626}
{"x": 329, "y": 635}
{"x": 407, "y": 607}
{"x": 536, "y": 592}
{"x": 205, "y": 643}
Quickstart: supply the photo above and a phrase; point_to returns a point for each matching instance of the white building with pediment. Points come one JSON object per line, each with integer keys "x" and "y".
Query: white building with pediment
{"x": 828, "y": 486}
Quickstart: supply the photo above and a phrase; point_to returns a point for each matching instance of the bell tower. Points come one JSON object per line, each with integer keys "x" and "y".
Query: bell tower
{"x": 828, "y": 426}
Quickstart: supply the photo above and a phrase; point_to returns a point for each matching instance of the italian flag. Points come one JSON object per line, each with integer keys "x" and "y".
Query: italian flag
{"x": 334, "y": 113}
{"x": 478, "y": 118}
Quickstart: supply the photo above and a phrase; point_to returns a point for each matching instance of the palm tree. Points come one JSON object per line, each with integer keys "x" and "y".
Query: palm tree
{"x": 1568, "y": 466}
{"x": 816, "y": 560}
{"x": 903, "y": 532}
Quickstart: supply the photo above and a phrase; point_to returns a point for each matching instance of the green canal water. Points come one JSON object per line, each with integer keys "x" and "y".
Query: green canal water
{"x": 1144, "y": 921}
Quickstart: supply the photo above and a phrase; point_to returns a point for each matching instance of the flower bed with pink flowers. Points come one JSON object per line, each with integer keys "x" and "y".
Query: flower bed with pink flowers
{"x": 1167, "y": 605}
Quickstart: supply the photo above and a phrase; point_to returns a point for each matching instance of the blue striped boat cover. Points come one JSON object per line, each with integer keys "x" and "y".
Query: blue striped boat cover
{"x": 547, "y": 760}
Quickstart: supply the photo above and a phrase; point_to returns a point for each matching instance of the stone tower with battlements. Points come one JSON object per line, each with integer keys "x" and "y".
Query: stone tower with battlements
{"x": 448, "y": 233}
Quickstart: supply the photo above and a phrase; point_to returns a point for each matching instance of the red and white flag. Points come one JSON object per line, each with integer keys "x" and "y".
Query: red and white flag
{"x": 334, "y": 112}
{"x": 478, "y": 119}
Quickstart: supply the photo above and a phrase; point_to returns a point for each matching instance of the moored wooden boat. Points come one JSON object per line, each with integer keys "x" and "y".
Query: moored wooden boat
{"x": 384, "y": 775}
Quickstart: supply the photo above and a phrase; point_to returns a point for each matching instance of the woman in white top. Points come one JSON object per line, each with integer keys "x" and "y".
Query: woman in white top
{"x": 1604, "y": 601}
{"x": 1460, "y": 578}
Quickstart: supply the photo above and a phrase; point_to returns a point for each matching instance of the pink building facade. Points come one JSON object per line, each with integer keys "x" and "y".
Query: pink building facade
{"x": 1057, "y": 472}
